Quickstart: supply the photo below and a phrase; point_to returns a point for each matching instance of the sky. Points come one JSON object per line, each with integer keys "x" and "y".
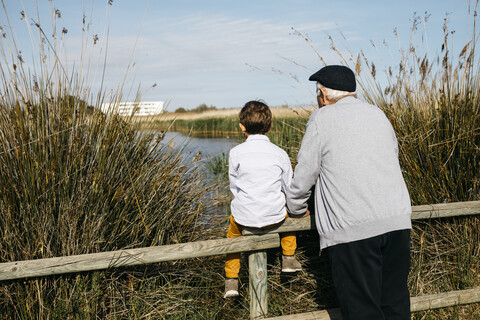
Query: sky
{"x": 224, "y": 53}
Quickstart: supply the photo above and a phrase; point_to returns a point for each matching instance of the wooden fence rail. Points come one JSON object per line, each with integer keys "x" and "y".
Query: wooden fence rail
{"x": 131, "y": 257}
{"x": 442, "y": 210}
{"x": 256, "y": 242}
{"x": 421, "y": 303}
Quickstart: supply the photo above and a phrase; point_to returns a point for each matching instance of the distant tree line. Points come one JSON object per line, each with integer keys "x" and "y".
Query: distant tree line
{"x": 201, "y": 108}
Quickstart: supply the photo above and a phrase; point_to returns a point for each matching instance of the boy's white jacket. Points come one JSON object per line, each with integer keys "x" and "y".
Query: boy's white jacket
{"x": 349, "y": 153}
{"x": 259, "y": 173}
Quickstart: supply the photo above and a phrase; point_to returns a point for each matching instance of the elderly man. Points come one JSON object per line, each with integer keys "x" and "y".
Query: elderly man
{"x": 362, "y": 207}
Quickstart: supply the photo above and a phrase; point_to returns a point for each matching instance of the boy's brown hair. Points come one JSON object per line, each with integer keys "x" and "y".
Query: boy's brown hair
{"x": 256, "y": 117}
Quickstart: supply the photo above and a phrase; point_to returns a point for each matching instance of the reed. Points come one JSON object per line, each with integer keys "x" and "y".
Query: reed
{"x": 434, "y": 107}
{"x": 76, "y": 180}
{"x": 225, "y": 126}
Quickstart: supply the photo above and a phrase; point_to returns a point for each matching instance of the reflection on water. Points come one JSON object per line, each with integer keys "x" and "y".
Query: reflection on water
{"x": 209, "y": 147}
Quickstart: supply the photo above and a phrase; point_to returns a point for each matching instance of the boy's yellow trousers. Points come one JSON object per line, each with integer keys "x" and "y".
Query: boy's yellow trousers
{"x": 232, "y": 264}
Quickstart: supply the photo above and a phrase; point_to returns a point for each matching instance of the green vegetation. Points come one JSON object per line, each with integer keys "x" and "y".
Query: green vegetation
{"x": 74, "y": 180}
{"x": 434, "y": 106}
{"x": 286, "y": 132}
{"x": 218, "y": 166}
{"x": 197, "y": 127}
{"x": 201, "y": 108}
{"x": 180, "y": 110}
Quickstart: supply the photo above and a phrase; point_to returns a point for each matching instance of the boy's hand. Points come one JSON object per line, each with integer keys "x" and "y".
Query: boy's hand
{"x": 306, "y": 213}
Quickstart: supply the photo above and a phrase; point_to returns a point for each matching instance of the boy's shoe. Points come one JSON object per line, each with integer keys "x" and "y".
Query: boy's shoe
{"x": 231, "y": 288}
{"x": 290, "y": 264}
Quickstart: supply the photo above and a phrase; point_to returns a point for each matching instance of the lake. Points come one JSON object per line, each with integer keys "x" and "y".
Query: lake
{"x": 208, "y": 146}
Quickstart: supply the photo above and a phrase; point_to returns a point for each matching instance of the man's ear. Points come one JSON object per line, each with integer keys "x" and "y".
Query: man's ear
{"x": 242, "y": 127}
{"x": 324, "y": 97}
{"x": 324, "y": 93}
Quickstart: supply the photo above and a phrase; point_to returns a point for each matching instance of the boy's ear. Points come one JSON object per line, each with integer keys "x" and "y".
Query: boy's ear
{"x": 242, "y": 127}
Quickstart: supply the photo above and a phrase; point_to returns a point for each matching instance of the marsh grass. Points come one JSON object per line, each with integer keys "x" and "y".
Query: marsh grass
{"x": 286, "y": 132}
{"x": 434, "y": 107}
{"x": 75, "y": 180}
{"x": 218, "y": 167}
{"x": 227, "y": 126}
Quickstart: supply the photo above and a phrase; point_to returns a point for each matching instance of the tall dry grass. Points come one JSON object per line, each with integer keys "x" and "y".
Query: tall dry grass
{"x": 433, "y": 104}
{"x": 75, "y": 180}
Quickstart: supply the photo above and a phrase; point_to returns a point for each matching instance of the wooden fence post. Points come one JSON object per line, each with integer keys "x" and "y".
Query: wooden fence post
{"x": 257, "y": 267}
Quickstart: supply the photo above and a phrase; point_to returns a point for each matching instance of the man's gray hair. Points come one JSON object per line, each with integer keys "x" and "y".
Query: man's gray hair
{"x": 333, "y": 95}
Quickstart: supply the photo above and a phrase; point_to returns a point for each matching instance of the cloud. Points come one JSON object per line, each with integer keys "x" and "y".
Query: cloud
{"x": 213, "y": 54}
{"x": 218, "y": 45}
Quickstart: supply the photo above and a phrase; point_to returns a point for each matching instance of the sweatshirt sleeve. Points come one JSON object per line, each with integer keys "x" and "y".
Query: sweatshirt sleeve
{"x": 306, "y": 172}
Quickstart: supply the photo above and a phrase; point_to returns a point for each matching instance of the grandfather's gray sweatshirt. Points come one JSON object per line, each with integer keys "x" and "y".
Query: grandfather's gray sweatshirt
{"x": 349, "y": 153}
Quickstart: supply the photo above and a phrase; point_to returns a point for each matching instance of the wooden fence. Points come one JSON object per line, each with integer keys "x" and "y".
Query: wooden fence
{"x": 255, "y": 242}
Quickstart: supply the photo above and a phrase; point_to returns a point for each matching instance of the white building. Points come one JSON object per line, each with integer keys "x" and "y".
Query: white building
{"x": 144, "y": 108}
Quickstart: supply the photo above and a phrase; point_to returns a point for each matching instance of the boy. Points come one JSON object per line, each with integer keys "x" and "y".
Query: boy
{"x": 259, "y": 173}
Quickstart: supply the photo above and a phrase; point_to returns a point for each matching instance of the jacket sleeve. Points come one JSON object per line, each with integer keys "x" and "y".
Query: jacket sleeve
{"x": 307, "y": 170}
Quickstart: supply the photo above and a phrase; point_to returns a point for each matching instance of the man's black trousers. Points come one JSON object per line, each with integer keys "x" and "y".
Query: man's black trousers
{"x": 370, "y": 277}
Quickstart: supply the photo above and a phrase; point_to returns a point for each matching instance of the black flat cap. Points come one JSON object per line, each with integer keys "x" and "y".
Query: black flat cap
{"x": 335, "y": 77}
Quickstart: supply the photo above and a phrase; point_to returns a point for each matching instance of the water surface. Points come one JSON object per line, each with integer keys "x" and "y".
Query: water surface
{"x": 208, "y": 146}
